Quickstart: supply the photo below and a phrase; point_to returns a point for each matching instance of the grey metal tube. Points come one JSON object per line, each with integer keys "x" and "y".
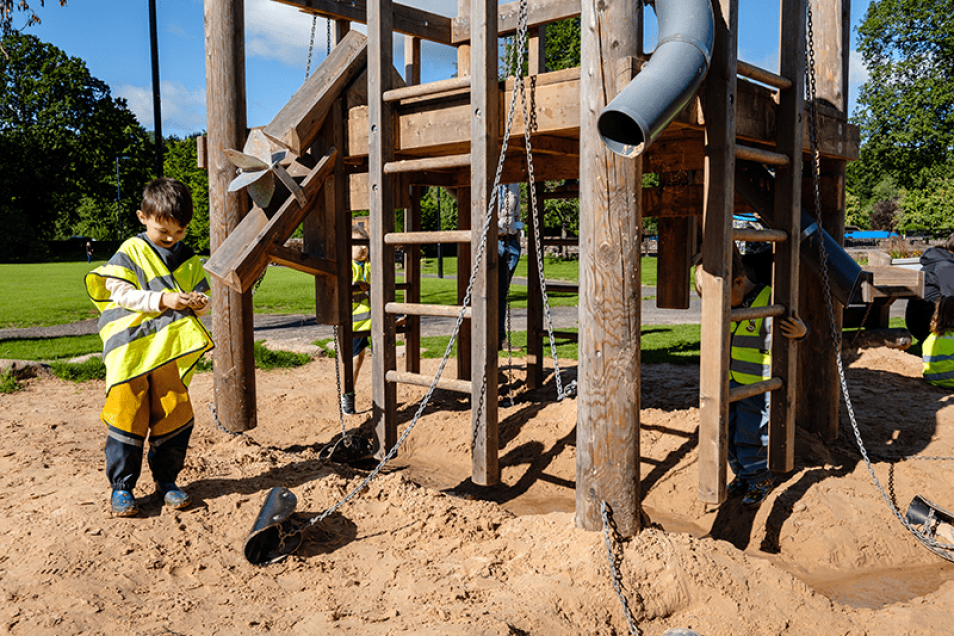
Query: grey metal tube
{"x": 666, "y": 83}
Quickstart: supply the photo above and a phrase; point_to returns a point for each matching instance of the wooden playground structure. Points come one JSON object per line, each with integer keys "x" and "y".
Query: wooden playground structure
{"x": 361, "y": 137}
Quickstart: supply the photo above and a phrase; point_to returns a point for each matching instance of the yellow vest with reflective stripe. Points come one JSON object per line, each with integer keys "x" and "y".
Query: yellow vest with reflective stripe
{"x": 135, "y": 343}
{"x": 750, "y": 356}
{"x": 938, "y": 355}
{"x": 360, "y": 300}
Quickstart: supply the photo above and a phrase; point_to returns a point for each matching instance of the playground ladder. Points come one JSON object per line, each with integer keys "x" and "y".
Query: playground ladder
{"x": 722, "y": 153}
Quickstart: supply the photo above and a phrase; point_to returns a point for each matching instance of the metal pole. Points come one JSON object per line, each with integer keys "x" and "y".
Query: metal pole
{"x": 156, "y": 109}
{"x": 440, "y": 252}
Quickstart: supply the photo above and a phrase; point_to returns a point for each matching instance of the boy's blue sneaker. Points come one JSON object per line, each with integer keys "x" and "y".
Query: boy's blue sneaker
{"x": 757, "y": 492}
{"x": 736, "y": 488}
{"x": 123, "y": 504}
{"x": 173, "y": 496}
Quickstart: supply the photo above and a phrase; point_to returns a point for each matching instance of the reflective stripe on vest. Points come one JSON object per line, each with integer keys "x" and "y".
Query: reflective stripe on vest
{"x": 135, "y": 343}
{"x": 938, "y": 355}
{"x": 360, "y": 300}
{"x": 751, "y": 359}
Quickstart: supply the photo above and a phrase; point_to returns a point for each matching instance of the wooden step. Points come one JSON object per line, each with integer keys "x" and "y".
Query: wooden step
{"x": 427, "y": 238}
{"x": 754, "y": 313}
{"x": 418, "y": 309}
{"x": 761, "y": 156}
{"x": 761, "y": 75}
{"x": 400, "y": 377}
{"x": 759, "y": 236}
{"x": 445, "y": 162}
{"x": 749, "y": 390}
{"x": 431, "y": 89}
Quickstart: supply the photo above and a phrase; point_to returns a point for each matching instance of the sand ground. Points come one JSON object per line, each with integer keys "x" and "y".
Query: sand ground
{"x": 423, "y": 551}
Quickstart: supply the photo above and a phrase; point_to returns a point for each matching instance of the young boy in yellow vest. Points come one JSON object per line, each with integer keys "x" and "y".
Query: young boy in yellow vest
{"x": 937, "y": 350}
{"x": 360, "y": 309}
{"x": 751, "y": 345}
{"x": 150, "y": 294}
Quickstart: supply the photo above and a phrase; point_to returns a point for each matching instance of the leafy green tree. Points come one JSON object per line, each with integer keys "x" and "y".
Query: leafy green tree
{"x": 181, "y": 162}
{"x": 927, "y": 209}
{"x": 60, "y": 135}
{"x": 906, "y": 108}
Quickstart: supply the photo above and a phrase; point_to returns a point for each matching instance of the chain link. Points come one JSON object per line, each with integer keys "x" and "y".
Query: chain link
{"x": 614, "y": 558}
{"x": 836, "y": 337}
{"x": 338, "y": 362}
{"x": 311, "y": 45}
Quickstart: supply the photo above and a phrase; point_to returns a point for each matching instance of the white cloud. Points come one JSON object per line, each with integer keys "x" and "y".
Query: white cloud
{"x": 183, "y": 110}
{"x": 857, "y": 73}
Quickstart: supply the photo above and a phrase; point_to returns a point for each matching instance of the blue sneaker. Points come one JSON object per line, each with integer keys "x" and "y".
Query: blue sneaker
{"x": 757, "y": 492}
{"x": 173, "y": 496}
{"x": 123, "y": 504}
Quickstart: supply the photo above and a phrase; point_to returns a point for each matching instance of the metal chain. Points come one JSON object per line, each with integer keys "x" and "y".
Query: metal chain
{"x": 864, "y": 320}
{"x": 614, "y": 559}
{"x": 478, "y": 259}
{"x": 311, "y": 45}
{"x": 328, "y": 37}
{"x": 338, "y": 363}
{"x": 836, "y": 339}
{"x": 518, "y": 81}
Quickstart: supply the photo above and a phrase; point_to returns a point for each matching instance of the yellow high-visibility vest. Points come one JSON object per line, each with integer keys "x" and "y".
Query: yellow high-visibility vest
{"x": 938, "y": 355}
{"x": 135, "y": 343}
{"x": 751, "y": 360}
{"x": 360, "y": 300}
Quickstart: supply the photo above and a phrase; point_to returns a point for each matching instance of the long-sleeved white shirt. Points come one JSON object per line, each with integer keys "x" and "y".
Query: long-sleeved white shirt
{"x": 141, "y": 300}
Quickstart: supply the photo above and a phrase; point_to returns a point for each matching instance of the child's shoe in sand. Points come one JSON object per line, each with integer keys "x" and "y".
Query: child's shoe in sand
{"x": 757, "y": 492}
{"x": 173, "y": 496}
{"x": 123, "y": 504}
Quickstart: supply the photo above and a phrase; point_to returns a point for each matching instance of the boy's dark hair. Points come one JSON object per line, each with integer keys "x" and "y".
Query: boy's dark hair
{"x": 167, "y": 199}
{"x": 943, "y": 319}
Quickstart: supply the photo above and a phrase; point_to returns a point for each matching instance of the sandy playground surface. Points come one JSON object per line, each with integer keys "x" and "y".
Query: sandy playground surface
{"x": 421, "y": 551}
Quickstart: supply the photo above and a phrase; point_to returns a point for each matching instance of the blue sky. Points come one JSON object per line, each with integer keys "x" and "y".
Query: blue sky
{"x": 112, "y": 37}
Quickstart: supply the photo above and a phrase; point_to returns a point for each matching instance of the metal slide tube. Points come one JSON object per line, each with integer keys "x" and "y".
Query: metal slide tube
{"x": 666, "y": 83}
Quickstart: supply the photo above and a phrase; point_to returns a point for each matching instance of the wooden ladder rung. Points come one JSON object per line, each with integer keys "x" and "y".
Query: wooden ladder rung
{"x": 566, "y": 335}
{"x": 560, "y": 242}
{"x": 754, "y": 313}
{"x": 761, "y": 236}
{"x": 748, "y": 390}
{"x": 460, "y": 386}
{"x": 761, "y": 75}
{"x": 425, "y": 238}
{"x": 761, "y": 156}
{"x": 562, "y": 287}
{"x": 431, "y": 89}
{"x": 445, "y": 162}
{"x": 418, "y": 309}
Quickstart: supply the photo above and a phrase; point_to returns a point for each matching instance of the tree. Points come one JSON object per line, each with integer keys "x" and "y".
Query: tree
{"x": 928, "y": 208}
{"x": 181, "y": 162}
{"x": 60, "y": 135}
{"x": 906, "y": 108}
{"x": 6, "y": 14}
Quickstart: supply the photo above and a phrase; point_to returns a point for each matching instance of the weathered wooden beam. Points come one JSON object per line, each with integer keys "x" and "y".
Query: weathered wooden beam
{"x": 677, "y": 244}
{"x": 607, "y": 465}
{"x": 241, "y": 258}
{"x": 381, "y": 135}
{"x": 485, "y": 120}
{"x": 716, "y": 271}
{"x": 298, "y": 123}
{"x": 232, "y": 317}
{"x": 303, "y": 262}
{"x": 787, "y": 217}
{"x": 442, "y": 126}
{"x": 540, "y": 12}
{"x": 407, "y": 20}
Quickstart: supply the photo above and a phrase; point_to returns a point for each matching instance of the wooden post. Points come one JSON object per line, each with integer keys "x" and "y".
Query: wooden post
{"x": 232, "y": 318}
{"x": 537, "y": 61}
{"x": 463, "y": 223}
{"x": 412, "y": 223}
{"x": 485, "y": 133}
{"x": 716, "y": 271}
{"x": 818, "y": 374}
{"x": 381, "y": 139}
{"x": 607, "y": 465}
{"x": 343, "y": 237}
{"x": 788, "y": 211}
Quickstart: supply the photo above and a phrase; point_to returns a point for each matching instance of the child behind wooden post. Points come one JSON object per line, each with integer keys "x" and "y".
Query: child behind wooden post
{"x": 937, "y": 350}
{"x": 360, "y": 308}
{"x": 750, "y": 362}
{"x": 150, "y": 293}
